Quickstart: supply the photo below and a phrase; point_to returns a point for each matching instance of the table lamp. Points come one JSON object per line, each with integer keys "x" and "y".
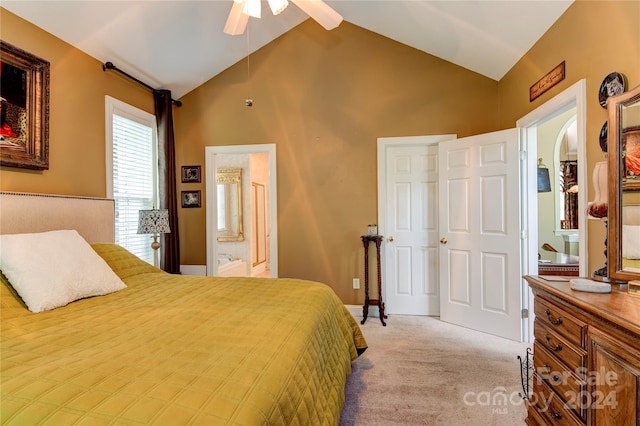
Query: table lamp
{"x": 154, "y": 221}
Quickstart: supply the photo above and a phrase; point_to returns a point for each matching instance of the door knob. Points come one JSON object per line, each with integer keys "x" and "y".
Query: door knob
{"x": 390, "y": 239}
{"x": 443, "y": 241}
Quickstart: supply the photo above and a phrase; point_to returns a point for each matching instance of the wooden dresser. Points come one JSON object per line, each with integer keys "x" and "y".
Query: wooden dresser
{"x": 586, "y": 356}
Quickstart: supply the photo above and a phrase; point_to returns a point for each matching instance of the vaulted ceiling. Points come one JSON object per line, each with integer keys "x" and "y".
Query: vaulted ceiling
{"x": 179, "y": 45}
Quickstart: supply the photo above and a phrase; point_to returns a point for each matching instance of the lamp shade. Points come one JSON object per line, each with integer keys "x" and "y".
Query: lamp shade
{"x": 252, "y": 8}
{"x": 154, "y": 221}
{"x": 544, "y": 185}
{"x": 278, "y": 6}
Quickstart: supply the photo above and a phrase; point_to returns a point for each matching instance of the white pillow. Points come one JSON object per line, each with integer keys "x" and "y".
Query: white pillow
{"x": 52, "y": 269}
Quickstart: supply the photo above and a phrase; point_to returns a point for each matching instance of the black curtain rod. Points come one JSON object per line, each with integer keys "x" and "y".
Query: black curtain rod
{"x": 109, "y": 66}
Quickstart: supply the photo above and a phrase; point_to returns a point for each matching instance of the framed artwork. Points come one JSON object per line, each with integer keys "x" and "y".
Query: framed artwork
{"x": 631, "y": 156}
{"x": 190, "y": 199}
{"x": 191, "y": 174}
{"x": 549, "y": 80}
{"x": 24, "y": 109}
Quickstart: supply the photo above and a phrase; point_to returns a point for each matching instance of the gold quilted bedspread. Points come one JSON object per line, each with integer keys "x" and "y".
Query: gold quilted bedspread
{"x": 179, "y": 350}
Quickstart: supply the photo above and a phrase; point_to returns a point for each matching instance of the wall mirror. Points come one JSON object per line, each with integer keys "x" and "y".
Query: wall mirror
{"x": 229, "y": 187}
{"x": 623, "y": 256}
{"x": 558, "y": 212}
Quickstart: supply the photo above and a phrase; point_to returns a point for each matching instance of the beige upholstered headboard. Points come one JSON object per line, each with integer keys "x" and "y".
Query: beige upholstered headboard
{"x": 22, "y": 212}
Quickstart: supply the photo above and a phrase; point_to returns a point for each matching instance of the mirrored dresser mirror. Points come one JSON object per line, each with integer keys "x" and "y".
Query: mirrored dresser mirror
{"x": 623, "y": 253}
{"x": 229, "y": 187}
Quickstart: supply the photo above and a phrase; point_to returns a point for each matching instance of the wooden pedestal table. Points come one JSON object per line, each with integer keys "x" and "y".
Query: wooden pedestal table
{"x": 377, "y": 239}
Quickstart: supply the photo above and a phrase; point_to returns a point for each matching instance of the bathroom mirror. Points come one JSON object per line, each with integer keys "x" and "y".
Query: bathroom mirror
{"x": 229, "y": 187}
{"x": 623, "y": 256}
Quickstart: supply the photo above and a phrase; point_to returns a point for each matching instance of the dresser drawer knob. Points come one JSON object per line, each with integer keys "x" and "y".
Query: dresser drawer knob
{"x": 557, "y": 321}
{"x": 556, "y": 348}
{"x": 555, "y": 378}
{"x": 556, "y": 416}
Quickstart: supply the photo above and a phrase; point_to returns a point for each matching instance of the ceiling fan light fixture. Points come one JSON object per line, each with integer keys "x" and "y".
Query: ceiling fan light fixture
{"x": 278, "y": 6}
{"x": 243, "y": 9}
{"x": 252, "y": 8}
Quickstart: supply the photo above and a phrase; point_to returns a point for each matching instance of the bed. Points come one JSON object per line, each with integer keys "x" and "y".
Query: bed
{"x": 167, "y": 349}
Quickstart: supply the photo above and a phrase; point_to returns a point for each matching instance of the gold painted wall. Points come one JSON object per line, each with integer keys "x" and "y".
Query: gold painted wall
{"x": 595, "y": 38}
{"x": 76, "y": 114}
{"x": 324, "y": 98}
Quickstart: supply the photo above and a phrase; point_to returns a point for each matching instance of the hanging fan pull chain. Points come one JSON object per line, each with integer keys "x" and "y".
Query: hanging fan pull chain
{"x": 248, "y": 102}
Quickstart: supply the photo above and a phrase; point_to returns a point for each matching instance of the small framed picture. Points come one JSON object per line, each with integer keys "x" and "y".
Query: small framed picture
{"x": 190, "y": 199}
{"x": 191, "y": 174}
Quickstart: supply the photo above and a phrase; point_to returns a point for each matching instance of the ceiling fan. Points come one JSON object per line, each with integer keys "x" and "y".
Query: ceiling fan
{"x": 243, "y": 9}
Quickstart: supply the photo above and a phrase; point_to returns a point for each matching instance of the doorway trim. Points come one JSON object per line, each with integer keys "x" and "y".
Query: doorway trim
{"x": 212, "y": 201}
{"x": 573, "y": 96}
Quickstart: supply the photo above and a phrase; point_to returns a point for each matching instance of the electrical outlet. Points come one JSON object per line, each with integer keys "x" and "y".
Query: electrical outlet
{"x": 356, "y": 283}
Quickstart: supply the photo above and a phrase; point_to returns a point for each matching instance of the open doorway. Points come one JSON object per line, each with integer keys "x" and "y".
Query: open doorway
{"x": 569, "y": 103}
{"x": 254, "y": 250}
{"x": 572, "y": 98}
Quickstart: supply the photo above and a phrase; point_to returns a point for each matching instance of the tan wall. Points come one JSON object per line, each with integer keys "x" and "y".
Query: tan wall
{"x": 324, "y": 98}
{"x": 76, "y": 114}
{"x": 595, "y": 38}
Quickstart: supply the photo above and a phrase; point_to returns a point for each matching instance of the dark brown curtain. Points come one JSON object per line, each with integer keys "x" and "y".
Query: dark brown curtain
{"x": 170, "y": 249}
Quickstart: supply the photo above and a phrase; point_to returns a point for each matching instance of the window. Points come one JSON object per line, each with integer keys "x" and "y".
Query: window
{"x": 132, "y": 181}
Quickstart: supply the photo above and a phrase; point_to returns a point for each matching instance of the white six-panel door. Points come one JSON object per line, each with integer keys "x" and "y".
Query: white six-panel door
{"x": 409, "y": 221}
{"x": 479, "y": 233}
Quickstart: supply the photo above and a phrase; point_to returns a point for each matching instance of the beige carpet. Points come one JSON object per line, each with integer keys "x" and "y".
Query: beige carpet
{"x": 423, "y": 371}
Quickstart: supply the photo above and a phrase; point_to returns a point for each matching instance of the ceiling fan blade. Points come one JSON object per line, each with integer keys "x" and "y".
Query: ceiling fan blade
{"x": 237, "y": 21}
{"x": 321, "y": 12}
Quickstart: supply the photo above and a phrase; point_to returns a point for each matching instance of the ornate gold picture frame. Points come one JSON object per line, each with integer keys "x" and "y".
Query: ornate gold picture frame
{"x": 24, "y": 110}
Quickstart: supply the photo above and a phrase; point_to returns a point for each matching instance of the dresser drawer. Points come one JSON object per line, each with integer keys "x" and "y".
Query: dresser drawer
{"x": 550, "y": 406}
{"x": 601, "y": 329}
{"x": 573, "y": 357}
{"x": 564, "y": 382}
{"x": 560, "y": 321}
{"x": 534, "y": 417}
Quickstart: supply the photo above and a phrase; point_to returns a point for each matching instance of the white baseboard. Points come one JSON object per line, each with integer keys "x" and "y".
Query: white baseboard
{"x": 356, "y": 311}
{"x": 193, "y": 270}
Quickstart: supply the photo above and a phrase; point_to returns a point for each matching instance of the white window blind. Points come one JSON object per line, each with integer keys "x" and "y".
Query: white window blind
{"x": 132, "y": 162}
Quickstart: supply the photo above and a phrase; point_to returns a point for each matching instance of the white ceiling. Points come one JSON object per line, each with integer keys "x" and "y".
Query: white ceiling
{"x": 178, "y": 45}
